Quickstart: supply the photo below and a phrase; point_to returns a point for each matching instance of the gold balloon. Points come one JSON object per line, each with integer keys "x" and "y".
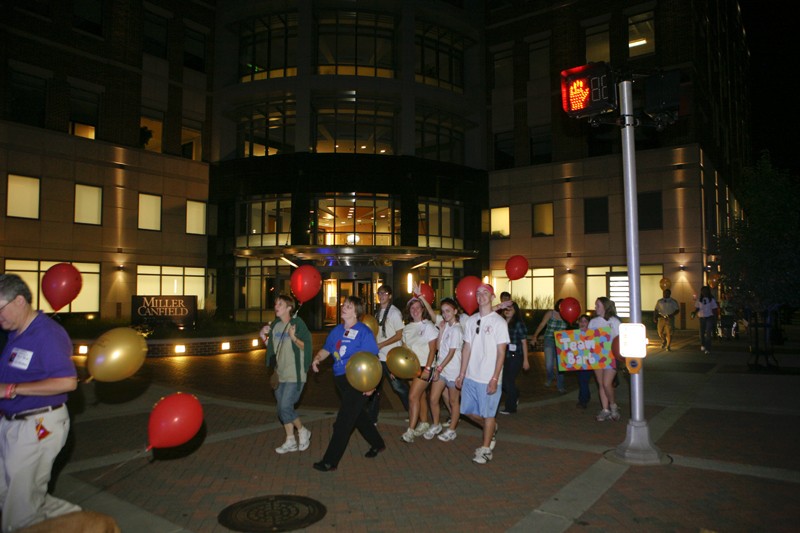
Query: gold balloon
{"x": 363, "y": 371}
{"x": 117, "y": 354}
{"x": 665, "y": 284}
{"x": 402, "y": 362}
{"x": 371, "y": 323}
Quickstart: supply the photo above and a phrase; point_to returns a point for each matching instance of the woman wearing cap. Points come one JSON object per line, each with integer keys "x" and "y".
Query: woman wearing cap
{"x": 419, "y": 336}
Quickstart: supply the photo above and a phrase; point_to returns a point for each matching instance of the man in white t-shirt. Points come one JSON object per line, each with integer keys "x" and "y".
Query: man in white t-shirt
{"x": 390, "y": 333}
{"x": 482, "y": 357}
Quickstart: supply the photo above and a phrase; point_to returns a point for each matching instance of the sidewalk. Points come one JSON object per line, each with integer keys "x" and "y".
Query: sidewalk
{"x": 731, "y": 436}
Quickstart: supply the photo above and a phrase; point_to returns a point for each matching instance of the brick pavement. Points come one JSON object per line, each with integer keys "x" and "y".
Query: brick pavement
{"x": 731, "y": 435}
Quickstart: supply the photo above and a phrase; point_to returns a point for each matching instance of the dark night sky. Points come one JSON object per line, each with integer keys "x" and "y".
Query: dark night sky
{"x": 774, "y": 50}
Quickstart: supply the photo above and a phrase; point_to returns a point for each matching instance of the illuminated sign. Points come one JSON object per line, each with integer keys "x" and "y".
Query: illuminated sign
{"x": 588, "y": 90}
{"x": 180, "y": 310}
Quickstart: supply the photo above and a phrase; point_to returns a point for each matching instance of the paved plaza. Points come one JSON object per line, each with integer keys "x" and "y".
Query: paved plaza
{"x": 729, "y": 434}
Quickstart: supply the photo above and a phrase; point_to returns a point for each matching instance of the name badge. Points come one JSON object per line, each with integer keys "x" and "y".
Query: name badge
{"x": 20, "y": 358}
{"x": 512, "y": 347}
{"x": 351, "y": 334}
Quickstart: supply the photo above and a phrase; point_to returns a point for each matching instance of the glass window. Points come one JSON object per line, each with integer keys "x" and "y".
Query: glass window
{"x": 149, "y": 212}
{"x": 354, "y": 126}
{"x": 440, "y": 224}
{"x": 352, "y": 219}
{"x": 154, "y": 34}
{"x": 595, "y": 215}
{"x": 439, "y": 57}
{"x": 194, "y": 50}
{"x": 26, "y": 98}
{"x": 195, "y": 217}
{"x": 87, "y": 15}
{"x": 355, "y": 43}
{"x": 641, "y": 34}
{"x": 504, "y": 150}
{"x": 191, "y": 141}
{"x": 265, "y": 222}
{"x": 439, "y": 136}
{"x": 501, "y": 225}
{"x": 268, "y": 47}
{"x": 84, "y": 108}
{"x": 88, "y": 204}
{"x": 503, "y": 69}
{"x": 23, "y": 197}
{"x": 650, "y": 210}
{"x": 268, "y": 128}
{"x": 151, "y": 130}
{"x": 32, "y": 272}
{"x": 156, "y": 280}
{"x": 543, "y": 220}
{"x": 597, "y": 44}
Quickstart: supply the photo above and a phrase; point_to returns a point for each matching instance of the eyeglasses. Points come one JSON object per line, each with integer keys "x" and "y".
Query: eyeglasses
{"x": 6, "y": 305}
{"x": 478, "y": 329}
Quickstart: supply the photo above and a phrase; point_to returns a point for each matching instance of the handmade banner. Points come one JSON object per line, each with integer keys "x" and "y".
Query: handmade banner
{"x": 584, "y": 350}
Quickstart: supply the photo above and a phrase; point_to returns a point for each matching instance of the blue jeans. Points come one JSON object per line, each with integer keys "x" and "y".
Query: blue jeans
{"x": 286, "y": 395}
{"x": 584, "y": 392}
{"x": 707, "y": 327}
{"x": 551, "y": 363}
{"x": 511, "y": 368}
{"x": 399, "y": 386}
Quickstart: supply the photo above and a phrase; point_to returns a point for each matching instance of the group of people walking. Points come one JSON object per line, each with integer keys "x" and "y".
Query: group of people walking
{"x": 467, "y": 361}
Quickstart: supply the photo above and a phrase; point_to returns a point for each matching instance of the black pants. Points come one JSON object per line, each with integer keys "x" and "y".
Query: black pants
{"x": 511, "y": 369}
{"x": 352, "y": 414}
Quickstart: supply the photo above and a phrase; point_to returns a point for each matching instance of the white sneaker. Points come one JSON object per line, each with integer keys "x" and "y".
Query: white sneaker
{"x": 447, "y": 424}
{"x": 408, "y": 436}
{"x": 493, "y": 442}
{"x": 447, "y": 436}
{"x": 289, "y": 446}
{"x": 422, "y": 427}
{"x": 305, "y": 438}
{"x": 433, "y": 431}
{"x": 482, "y": 456}
{"x": 614, "y": 412}
{"x": 603, "y": 415}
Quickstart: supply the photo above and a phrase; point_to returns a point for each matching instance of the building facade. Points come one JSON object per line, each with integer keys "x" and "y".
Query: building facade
{"x": 556, "y": 188}
{"x": 178, "y": 148}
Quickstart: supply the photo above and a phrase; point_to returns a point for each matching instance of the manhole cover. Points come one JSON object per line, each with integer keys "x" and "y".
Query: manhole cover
{"x": 272, "y": 513}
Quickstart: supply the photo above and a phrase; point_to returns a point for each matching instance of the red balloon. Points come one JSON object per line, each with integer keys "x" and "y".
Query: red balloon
{"x": 306, "y": 283}
{"x": 427, "y": 292}
{"x": 516, "y": 267}
{"x": 570, "y": 310}
{"x": 174, "y": 420}
{"x": 61, "y": 284}
{"x": 466, "y": 293}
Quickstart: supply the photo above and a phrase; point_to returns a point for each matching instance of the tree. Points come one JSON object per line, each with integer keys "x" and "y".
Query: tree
{"x": 759, "y": 258}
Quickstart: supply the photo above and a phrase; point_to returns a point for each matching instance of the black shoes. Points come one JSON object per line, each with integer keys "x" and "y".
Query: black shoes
{"x": 373, "y": 452}
{"x": 324, "y": 467}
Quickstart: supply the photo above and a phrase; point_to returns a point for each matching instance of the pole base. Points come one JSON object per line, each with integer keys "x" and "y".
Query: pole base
{"x": 638, "y": 449}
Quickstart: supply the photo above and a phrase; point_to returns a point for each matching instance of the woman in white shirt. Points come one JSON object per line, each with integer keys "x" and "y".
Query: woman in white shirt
{"x": 606, "y": 311}
{"x": 419, "y": 335}
{"x": 706, "y": 309}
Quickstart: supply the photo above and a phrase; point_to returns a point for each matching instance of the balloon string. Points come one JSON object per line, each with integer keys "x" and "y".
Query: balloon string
{"x": 115, "y": 468}
{"x": 88, "y": 380}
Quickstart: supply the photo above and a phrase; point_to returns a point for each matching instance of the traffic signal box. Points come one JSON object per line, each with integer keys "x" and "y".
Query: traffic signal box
{"x": 588, "y": 90}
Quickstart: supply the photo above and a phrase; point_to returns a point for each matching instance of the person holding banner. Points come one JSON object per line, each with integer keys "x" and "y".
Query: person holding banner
{"x": 551, "y": 322}
{"x": 606, "y": 317}
{"x": 584, "y": 376}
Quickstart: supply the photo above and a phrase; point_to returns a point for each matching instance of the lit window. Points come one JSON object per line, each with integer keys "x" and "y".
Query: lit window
{"x": 149, "y": 212}
{"x": 31, "y": 272}
{"x": 151, "y": 130}
{"x": 23, "y": 197}
{"x": 268, "y": 47}
{"x": 501, "y": 226}
{"x": 171, "y": 280}
{"x": 195, "y": 217}
{"x": 84, "y": 108}
{"x": 88, "y": 204}
{"x": 543, "y": 220}
{"x": 641, "y": 34}
{"x": 191, "y": 142}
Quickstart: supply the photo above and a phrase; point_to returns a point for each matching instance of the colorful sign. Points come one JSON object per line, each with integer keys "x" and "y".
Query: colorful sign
{"x": 584, "y": 350}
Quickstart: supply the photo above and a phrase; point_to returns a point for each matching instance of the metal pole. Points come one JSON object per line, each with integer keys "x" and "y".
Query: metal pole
{"x": 637, "y": 448}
